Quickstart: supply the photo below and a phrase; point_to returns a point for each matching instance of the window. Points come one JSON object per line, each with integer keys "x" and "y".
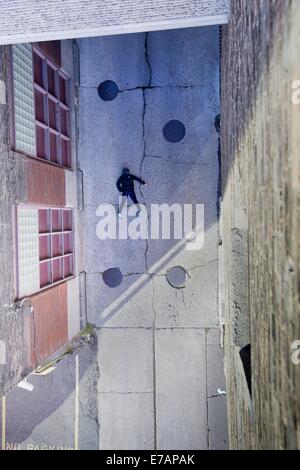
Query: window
{"x": 56, "y": 251}
{"x": 41, "y": 106}
{"x": 45, "y": 248}
{"x": 52, "y": 112}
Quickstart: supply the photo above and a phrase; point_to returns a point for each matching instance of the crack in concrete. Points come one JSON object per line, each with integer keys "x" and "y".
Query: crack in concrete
{"x": 199, "y": 266}
{"x": 144, "y": 140}
{"x": 150, "y": 87}
{"x": 216, "y": 396}
{"x": 147, "y": 59}
{"x": 153, "y": 275}
{"x": 183, "y": 300}
{"x": 157, "y": 87}
{"x": 89, "y": 412}
{"x": 161, "y": 157}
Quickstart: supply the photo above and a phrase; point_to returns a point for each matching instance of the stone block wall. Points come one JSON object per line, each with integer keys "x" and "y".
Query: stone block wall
{"x": 260, "y": 136}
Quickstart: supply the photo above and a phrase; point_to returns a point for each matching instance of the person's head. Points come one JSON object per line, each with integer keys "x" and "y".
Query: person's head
{"x": 125, "y": 171}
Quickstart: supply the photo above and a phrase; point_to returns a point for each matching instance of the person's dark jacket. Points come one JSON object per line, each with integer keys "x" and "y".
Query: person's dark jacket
{"x": 125, "y": 183}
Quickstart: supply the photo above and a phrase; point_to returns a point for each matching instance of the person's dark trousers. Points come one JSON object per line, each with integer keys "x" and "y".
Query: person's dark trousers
{"x": 132, "y": 196}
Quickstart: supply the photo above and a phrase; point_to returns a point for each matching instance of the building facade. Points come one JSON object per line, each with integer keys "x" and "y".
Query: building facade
{"x": 42, "y": 306}
{"x": 260, "y": 219}
{"x": 40, "y": 244}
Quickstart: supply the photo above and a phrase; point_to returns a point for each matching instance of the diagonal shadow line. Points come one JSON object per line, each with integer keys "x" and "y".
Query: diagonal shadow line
{"x": 110, "y": 311}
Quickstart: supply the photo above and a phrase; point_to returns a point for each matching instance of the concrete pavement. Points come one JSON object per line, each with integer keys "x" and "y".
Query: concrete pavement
{"x": 149, "y": 377}
{"x": 159, "y": 357}
{"x": 61, "y": 410}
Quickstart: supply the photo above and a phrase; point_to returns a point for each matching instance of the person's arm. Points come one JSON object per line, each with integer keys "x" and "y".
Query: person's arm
{"x": 136, "y": 178}
{"x": 119, "y": 184}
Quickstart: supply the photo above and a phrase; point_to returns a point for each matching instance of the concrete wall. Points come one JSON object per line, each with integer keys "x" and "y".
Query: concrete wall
{"x": 260, "y": 209}
{"x": 25, "y": 22}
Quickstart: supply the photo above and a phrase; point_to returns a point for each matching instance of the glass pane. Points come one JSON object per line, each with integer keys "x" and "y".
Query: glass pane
{"x": 52, "y": 110}
{"x": 68, "y": 266}
{"x": 51, "y": 80}
{"x": 68, "y": 243}
{"x": 40, "y": 105}
{"x": 38, "y": 69}
{"x": 45, "y": 247}
{"x": 44, "y": 225}
{"x": 54, "y": 148}
{"x": 56, "y": 220}
{"x": 57, "y": 269}
{"x": 45, "y": 273}
{"x": 63, "y": 90}
{"x": 56, "y": 245}
{"x": 41, "y": 138}
{"x": 67, "y": 222}
{"x": 64, "y": 121}
{"x": 65, "y": 153}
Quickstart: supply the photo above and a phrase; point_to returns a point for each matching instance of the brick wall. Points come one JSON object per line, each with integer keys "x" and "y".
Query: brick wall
{"x": 261, "y": 216}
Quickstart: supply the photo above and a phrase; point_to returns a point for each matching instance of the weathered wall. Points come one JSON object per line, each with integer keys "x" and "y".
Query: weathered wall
{"x": 46, "y": 320}
{"x": 24, "y": 22}
{"x": 14, "y": 331}
{"x": 260, "y": 209}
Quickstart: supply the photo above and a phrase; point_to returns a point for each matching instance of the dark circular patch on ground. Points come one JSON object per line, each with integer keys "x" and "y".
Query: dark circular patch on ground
{"x": 108, "y": 90}
{"x": 176, "y": 276}
{"x": 174, "y": 131}
{"x": 112, "y": 277}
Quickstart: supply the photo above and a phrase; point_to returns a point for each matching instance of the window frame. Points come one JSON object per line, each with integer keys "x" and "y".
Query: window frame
{"x": 47, "y": 64}
{"x": 50, "y": 233}
{"x": 65, "y": 106}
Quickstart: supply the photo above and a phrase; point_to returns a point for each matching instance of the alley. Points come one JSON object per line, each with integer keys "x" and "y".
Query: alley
{"x": 151, "y": 373}
{"x": 159, "y": 357}
{"x": 149, "y": 228}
